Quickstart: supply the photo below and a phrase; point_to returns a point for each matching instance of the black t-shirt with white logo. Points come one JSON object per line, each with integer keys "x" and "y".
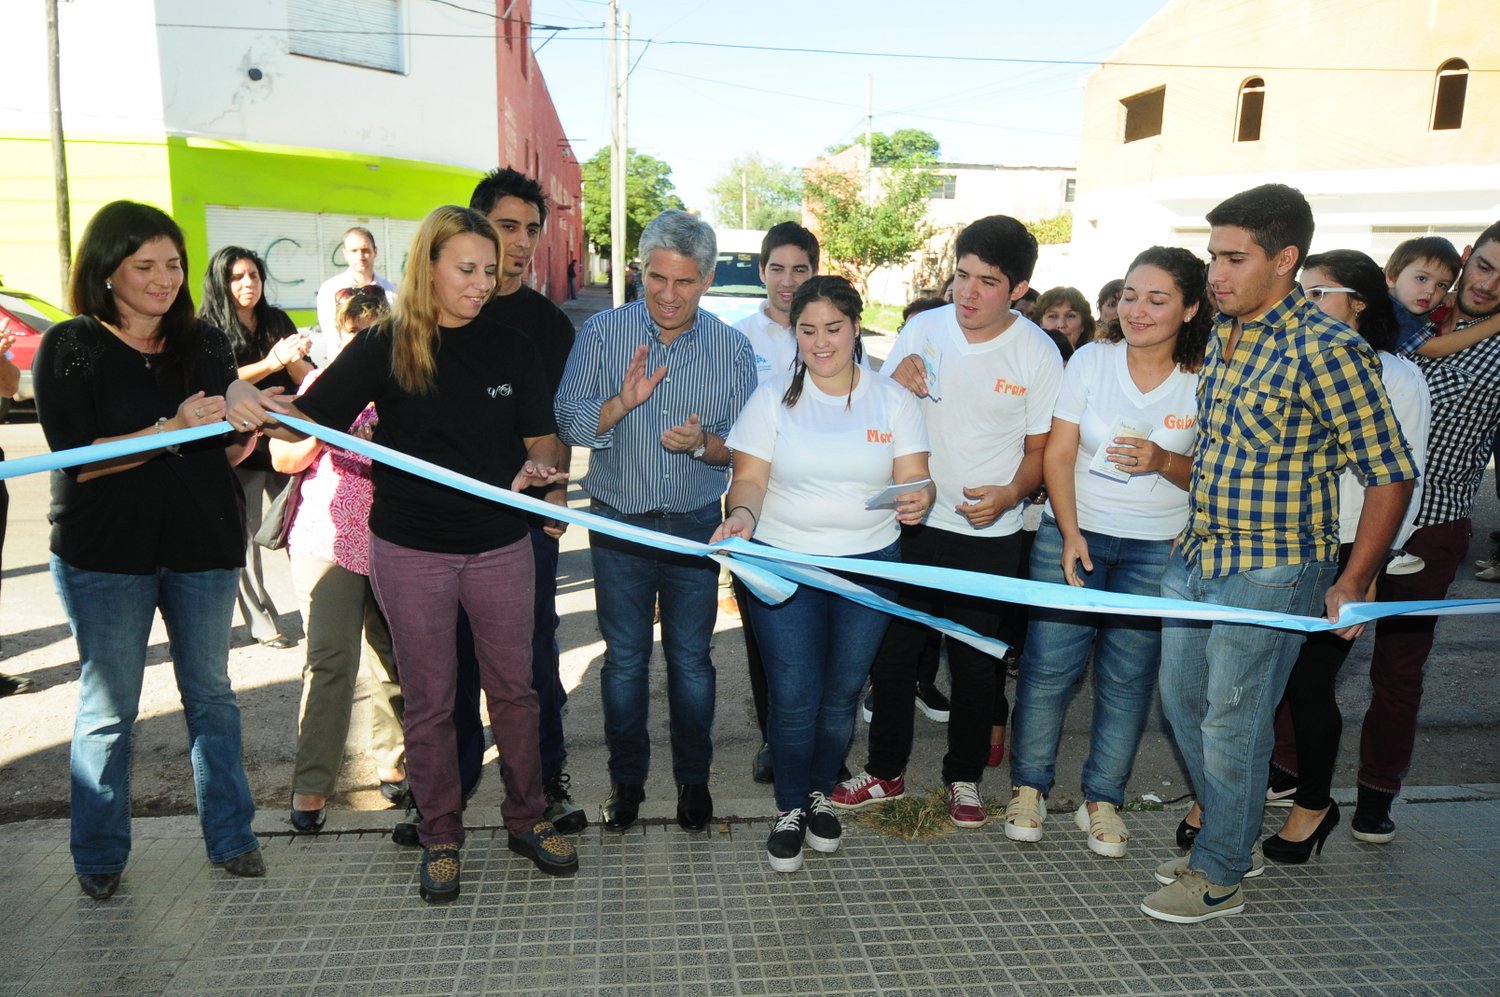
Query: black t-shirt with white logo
{"x": 491, "y": 392}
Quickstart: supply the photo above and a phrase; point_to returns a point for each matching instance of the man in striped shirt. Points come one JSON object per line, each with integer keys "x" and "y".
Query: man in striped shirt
{"x": 1287, "y": 396}
{"x": 652, "y": 388}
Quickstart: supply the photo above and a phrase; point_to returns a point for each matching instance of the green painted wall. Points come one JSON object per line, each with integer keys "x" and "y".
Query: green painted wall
{"x": 100, "y": 169}
{"x": 210, "y": 171}
{"x": 182, "y": 175}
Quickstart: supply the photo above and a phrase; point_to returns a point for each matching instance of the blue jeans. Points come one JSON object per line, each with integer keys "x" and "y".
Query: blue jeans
{"x": 628, "y": 578}
{"x": 110, "y": 615}
{"x": 1220, "y": 683}
{"x": 817, "y": 648}
{"x": 550, "y": 694}
{"x": 1127, "y": 653}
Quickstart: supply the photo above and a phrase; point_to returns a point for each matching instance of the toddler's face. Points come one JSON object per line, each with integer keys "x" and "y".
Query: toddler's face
{"x": 1420, "y": 287}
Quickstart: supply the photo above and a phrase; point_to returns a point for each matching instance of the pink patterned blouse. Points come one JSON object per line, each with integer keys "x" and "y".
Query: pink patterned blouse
{"x": 333, "y": 519}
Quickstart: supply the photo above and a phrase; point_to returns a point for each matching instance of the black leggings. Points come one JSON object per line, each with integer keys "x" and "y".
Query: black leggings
{"x": 1309, "y": 725}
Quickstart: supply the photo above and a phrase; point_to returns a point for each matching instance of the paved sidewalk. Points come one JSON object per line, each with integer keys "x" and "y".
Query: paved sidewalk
{"x": 657, "y": 912}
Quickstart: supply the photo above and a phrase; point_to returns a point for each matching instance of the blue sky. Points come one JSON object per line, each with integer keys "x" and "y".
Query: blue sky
{"x": 698, "y": 107}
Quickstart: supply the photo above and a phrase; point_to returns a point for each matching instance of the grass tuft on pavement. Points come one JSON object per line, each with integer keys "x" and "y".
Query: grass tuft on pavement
{"x": 918, "y": 818}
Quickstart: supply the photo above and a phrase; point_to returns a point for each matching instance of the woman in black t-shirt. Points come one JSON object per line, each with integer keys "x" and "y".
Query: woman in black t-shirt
{"x": 269, "y": 352}
{"x": 162, "y": 529}
{"x": 455, "y": 389}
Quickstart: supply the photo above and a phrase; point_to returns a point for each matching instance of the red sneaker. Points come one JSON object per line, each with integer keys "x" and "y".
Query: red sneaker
{"x": 865, "y": 790}
{"x": 965, "y": 807}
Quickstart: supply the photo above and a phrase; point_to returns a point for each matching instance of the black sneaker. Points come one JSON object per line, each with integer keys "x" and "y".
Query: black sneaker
{"x": 1372, "y": 817}
{"x": 565, "y": 815}
{"x": 869, "y": 707}
{"x": 1280, "y": 788}
{"x": 14, "y": 685}
{"x": 405, "y": 831}
{"x": 784, "y": 846}
{"x": 823, "y": 827}
{"x": 932, "y": 702}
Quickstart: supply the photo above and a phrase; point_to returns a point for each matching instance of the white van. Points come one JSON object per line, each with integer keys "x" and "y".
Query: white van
{"x": 737, "y": 289}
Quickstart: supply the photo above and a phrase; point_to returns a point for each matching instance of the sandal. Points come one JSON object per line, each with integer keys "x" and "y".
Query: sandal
{"x": 1024, "y": 815}
{"x": 1106, "y": 831}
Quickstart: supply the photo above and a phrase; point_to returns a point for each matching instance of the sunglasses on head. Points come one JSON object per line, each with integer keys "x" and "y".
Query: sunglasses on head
{"x": 345, "y": 293}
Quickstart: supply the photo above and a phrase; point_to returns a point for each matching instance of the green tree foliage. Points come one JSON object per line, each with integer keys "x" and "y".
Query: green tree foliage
{"x": 863, "y": 230}
{"x": 769, "y": 192}
{"x": 1054, "y": 231}
{"x": 906, "y": 145}
{"x": 648, "y": 192}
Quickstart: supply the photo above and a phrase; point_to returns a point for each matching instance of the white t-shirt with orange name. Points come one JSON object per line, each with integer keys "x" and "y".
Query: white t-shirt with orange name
{"x": 1096, "y": 391}
{"x": 990, "y": 396}
{"x": 829, "y": 454}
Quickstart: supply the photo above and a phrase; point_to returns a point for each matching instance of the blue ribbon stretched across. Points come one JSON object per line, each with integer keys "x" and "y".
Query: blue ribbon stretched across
{"x": 773, "y": 573}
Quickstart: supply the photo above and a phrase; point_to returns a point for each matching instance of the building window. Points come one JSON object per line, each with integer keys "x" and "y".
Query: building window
{"x": 1143, "y": 114}
{"x": 321, "y": 29}
{"x": 1252, "y": 104}
{"x": 1448, "y": 95}
{"x": 1070, "y": 190}
{"x": 944, "y": 188}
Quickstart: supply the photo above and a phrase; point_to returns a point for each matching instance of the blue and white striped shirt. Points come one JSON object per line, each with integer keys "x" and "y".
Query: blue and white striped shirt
{"x": 710, "y": 371}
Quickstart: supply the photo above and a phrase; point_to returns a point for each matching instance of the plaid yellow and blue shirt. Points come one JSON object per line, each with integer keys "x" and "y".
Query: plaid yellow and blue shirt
{"x": 1300, "y": 397}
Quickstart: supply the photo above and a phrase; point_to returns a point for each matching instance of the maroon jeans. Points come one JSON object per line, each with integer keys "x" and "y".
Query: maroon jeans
{"x": 1402, "y": 644}
{"x": 420, "y": 593}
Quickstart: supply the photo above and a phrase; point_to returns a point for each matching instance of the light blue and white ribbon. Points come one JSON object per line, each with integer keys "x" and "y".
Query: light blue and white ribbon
{"x": 773, "y": 574}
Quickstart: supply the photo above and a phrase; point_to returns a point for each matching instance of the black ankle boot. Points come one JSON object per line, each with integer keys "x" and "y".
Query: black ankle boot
{"x": 1372, "y": 816}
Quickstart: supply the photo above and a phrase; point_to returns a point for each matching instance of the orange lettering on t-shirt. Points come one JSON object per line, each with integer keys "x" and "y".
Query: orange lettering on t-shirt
{"x": 1004, "y": 387}
{"x": 1179, "y": 421}
{"x": 876, "y": 436}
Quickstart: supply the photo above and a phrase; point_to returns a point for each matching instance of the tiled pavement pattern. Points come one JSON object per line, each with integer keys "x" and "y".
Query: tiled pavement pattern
{"x": 657, "y": 912}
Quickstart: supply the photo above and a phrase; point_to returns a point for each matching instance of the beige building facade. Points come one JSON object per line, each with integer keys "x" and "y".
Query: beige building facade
{"x": 1381, "y": 111}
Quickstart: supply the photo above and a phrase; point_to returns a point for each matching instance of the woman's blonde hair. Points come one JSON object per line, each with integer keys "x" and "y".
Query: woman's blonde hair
{"x": 415, "y": 326}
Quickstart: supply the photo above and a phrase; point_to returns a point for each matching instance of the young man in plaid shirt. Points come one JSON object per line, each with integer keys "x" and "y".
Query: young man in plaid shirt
{"x": 1286, "y": 397}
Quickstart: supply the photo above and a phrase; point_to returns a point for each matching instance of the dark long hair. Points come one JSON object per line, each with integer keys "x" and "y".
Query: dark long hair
{"x": 117, "y": 231}
{"x": 1377, "y": 323}
{"x": 839, "y": 293}
{"x": 218, "y": 309}
{"x": 1190, "y": 274}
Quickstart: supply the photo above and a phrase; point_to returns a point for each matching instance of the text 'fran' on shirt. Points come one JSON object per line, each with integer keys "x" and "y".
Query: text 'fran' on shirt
{"x": 993, "y": 395}
{"x": 491, "y": 394}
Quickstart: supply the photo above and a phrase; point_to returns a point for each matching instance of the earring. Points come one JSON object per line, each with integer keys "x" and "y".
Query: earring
{"x": 109, "y": 285}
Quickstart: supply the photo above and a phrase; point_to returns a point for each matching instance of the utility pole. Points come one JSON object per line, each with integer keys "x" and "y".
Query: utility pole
{"x": 617, "y": 156}
{"x": 744, "y": 201}
{"x": 869, "y": 141}
{"x": 59, "y": 156}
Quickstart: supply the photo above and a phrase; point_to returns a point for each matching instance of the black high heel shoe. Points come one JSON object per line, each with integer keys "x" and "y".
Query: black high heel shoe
{"x": 1278, "y": 849}
{"x": 1185, "y": 834}
{"x": 307, "y": 821}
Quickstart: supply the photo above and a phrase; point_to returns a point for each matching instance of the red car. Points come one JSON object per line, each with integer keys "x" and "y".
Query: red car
{"x": 29, "y": 317}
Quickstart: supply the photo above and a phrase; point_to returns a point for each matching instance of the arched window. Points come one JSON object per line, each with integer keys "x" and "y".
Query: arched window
{"x": 1252, "y": 104}
{"x": 1448, "y": 95}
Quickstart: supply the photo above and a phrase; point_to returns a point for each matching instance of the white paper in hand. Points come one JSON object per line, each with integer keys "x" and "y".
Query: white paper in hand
{"x": 886, "y": 497}
{"x": 1101, "y": 464}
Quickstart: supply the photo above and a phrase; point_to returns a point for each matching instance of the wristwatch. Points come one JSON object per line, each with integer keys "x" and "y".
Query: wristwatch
{"x": 701, "y": 448}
